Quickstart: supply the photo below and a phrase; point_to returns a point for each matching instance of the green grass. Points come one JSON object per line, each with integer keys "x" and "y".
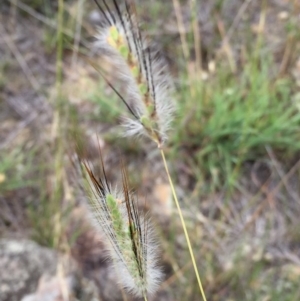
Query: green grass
{"x": 108, "y": 108}
{"x": 17, "y": 184}
{"x": 50, "y": 230}
{"x": 3, "y": 68}
{"x": 231, "y": 119}
{"x": 250, "y": 280}
{"x": 14, "y": 170}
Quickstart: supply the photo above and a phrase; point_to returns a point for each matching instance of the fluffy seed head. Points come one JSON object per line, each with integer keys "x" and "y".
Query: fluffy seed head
{"x": 127, "y": 231}
{"x": 147, "y": 83}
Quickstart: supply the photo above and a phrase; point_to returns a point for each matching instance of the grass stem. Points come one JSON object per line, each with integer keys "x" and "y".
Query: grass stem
{"x": 183, "y": 225}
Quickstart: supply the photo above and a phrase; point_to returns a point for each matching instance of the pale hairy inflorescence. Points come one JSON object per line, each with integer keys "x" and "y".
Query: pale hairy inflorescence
{"x": 148, "y": 85}
{"x": 127, "y": 230}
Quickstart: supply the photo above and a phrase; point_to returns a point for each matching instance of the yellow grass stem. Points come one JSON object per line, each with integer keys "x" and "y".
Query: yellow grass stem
{"x": 145, "y": 297}
{"x": 183, "y": 225}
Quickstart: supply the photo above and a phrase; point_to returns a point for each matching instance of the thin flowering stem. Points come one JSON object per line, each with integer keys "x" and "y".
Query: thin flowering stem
{"x": 183, "y": 225}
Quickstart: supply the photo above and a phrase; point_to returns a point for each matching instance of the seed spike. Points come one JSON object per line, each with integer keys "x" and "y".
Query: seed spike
{"x": 134, "y": 225}
{"x": 102, "y": 165}
{"x": 123, "y": 24}
{"x": 126, "y": 230}
{"x": 133, "y": 32}
{"x": 147, "y": 85}
{"x": 152, "y": 81}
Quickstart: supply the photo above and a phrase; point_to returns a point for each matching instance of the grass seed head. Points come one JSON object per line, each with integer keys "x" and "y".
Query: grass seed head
{"x": 127, "y": 231}
{"x": 148, "y": 85}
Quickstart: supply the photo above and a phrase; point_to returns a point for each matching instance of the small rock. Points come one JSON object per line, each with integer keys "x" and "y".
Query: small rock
{"x": 30, "y": 272}
{"x": 22, "y": 263}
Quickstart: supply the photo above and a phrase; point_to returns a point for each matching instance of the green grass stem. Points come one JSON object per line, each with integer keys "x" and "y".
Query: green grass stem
{"x": 183, "y": 225}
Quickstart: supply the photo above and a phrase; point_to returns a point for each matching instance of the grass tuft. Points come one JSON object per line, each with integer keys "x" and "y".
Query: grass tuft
{"x": 232, "y": 119}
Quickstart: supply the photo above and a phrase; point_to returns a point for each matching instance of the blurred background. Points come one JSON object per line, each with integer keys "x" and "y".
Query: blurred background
{"x": 233, "y": 149}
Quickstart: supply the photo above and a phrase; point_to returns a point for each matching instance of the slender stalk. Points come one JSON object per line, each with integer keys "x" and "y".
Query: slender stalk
{"x": 58, "y": 131}
{"x": 145, "y": 297}
{"x": 197, "y": 37}
{"x": 182, "y": 31}
{"x": 183, "y": 225}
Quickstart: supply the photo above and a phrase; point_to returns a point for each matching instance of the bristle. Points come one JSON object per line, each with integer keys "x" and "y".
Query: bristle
{"x": 148, "y": 85}
{"x": 127, "y": 231}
